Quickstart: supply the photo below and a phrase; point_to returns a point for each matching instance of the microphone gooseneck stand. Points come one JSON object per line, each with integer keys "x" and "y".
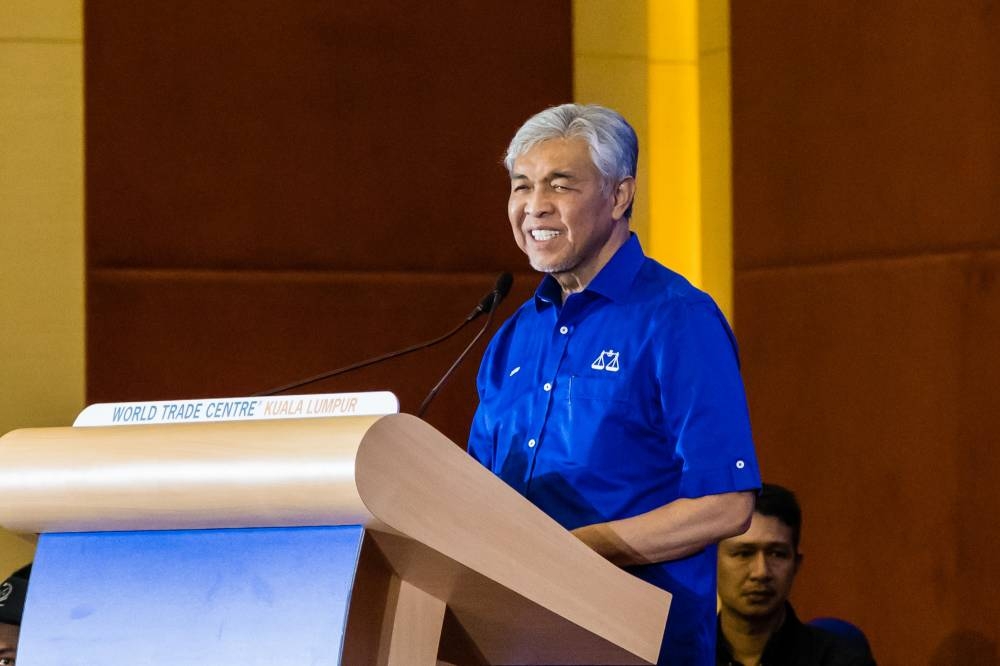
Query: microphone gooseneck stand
{"x": 486, "y": 305}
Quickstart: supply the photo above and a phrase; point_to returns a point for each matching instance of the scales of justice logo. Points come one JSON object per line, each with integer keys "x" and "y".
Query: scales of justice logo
{"x": 607, "y": 361}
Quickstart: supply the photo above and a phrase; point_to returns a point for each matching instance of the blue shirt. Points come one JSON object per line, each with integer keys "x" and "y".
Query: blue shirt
{"x": 622, "y": 399}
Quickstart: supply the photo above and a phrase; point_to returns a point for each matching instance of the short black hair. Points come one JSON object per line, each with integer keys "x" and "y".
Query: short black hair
{"x": 779, "y": 502}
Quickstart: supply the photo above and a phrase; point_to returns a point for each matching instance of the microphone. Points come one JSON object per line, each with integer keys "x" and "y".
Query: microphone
{"x": 491, "y": 300}
{"x": 486, "y": 306}
{"x": 489, "y": 305}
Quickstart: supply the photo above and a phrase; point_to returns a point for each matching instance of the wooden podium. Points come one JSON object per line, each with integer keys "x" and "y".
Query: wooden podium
{"x": 353, "y": 540}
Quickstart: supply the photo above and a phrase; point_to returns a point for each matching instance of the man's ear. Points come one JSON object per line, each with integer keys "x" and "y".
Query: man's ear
{"x": 798, "y": 561}
{"x": 623, "y": 195}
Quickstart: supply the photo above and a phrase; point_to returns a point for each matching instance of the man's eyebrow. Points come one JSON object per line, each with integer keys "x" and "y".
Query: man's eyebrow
{"x": 555, "y": 175}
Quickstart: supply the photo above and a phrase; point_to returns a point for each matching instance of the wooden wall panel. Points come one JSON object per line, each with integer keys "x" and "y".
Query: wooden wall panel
{"x": 865, "y": 129}
{"x": 276, "y": 189}
{"x": 869, "y": 400}
{"x": 176, "y": 334}
{"x": 867, "y": 256}
{"x": 352, "y": 136}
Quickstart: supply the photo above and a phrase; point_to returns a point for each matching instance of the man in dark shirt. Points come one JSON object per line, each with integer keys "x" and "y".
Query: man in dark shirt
{"x": 757, "y": 625}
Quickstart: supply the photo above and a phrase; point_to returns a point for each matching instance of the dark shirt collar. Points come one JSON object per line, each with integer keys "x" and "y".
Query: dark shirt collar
{"x": 779, "y": 648}
{"x": 613, "y": 281}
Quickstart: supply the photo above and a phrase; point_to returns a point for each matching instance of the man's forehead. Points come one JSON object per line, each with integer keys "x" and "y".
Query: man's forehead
{"x": 8, "y": 635}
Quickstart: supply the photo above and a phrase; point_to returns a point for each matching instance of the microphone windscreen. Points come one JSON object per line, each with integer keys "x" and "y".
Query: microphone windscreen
{"x": 502, "y": 287}
{"x": 491, "y": 300}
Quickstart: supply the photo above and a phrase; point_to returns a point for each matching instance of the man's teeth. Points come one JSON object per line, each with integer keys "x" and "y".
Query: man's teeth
{"x": 543, "y": 234}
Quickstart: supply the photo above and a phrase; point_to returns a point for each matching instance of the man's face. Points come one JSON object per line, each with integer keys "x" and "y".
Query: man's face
{"x": 756, "y": 569}
{"x": 563, "y": 214}
{"x": 8, "y": 642}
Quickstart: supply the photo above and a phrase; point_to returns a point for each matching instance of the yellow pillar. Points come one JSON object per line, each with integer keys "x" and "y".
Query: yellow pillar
{"x": 665, "y": 65}
{"x": 41, "y": 222}
{"x": 716, "y": 161}
{"x": 610, "y": 67}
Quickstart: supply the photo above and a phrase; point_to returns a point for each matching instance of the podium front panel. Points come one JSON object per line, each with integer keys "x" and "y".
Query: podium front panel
{"x": 227, "y": 597}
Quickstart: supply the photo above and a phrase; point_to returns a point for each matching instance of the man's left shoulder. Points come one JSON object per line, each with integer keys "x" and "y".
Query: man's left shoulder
{"x": 673, "y": 304}
{"x": 657, "y": 283}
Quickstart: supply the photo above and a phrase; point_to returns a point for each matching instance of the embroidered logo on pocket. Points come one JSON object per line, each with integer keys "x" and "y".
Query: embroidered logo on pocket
{"x": 607, "y": 361}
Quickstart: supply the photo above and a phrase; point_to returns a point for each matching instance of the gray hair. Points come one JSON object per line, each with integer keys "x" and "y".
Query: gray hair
{"x": 614, "y": 147}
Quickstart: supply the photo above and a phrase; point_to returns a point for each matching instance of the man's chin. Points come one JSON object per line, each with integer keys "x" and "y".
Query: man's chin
{"x": 550, "y": 266}
{"x": 760, "y": 608}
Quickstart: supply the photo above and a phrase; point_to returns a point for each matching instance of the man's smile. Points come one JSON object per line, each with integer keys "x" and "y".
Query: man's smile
{"x": 544, "y": 234}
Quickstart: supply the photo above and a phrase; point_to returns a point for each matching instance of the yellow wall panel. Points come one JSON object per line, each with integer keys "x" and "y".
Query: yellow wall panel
{"x": 675, "y": 187}
{"x": 610, "y": 27}
{"x": 713, "y": 25}
{"x": 41, "y": 222}
{"x": 673, "y": 30}
{"x": 15, "y": 552}
{"x": 41, "y": 19}
{"x": 41, "y": 251}
{"x": 716, "y": 178}
{"x": 684, "y": 107}
{"x": 620, "y": 83}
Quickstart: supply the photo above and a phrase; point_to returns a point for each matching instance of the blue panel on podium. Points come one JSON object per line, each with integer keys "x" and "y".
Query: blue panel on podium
{"x": 212, "y": 597}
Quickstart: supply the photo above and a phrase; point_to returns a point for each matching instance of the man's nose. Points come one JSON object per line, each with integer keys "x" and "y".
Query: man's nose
{"x": 538, "y": 203}
{"x": 759, "y": 568}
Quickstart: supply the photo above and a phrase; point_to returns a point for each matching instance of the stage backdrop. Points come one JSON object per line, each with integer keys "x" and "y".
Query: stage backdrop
{"x": 278, "y": 189}
{"x": 867, "y": 290}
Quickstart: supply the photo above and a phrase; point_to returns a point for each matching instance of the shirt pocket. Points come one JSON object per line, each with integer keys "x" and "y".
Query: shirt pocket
{"x": 603, "y": 389}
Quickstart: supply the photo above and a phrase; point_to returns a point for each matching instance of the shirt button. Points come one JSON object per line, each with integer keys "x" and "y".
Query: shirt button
{"x": 740, "y": 464}
{"x": 531, "y": 443}
{"x": 547, "y": 386}
{"x": 564, "y": 330}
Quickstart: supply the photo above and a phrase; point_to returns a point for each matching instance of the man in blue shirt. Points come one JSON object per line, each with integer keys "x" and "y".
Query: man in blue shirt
{"x": 612, "y": 399}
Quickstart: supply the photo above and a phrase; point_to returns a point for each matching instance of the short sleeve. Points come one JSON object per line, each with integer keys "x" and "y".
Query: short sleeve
{"x": 705, "y": 404}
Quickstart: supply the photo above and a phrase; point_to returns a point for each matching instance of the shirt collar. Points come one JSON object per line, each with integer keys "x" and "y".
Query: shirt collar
{"x": 776, "y": 650}
{"x": 781, "y": 643}
{"x": 613, "y": 281}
